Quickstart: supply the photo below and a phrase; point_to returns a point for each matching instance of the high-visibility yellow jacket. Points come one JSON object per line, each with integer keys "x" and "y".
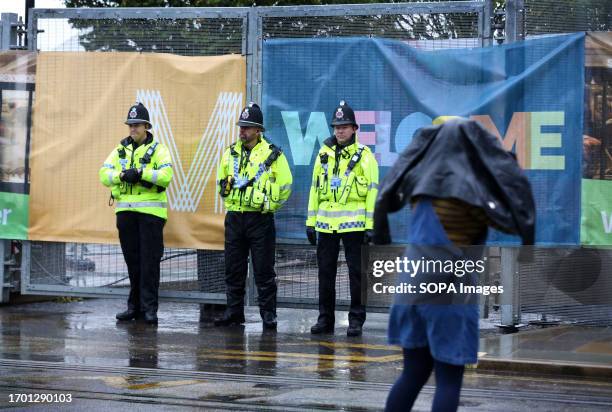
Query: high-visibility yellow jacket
{"x": 342, "y": 200}
{"x": 149, "y": 195}
{"x": 254, "y": 187}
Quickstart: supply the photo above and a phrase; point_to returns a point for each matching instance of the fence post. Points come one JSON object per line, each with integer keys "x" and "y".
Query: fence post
{"x": 254, "y": 56}
{"x": 515, "y": 21}
{"x": 25, "y": 266}
{"x": 487, "y": 16}
{"x": 32, "y": 30}
{"x": 253, "y": 94}
{"x": 510, "y": 308}
{"x": 8, "y": 37}
{"x": 510, "y": 304}
{"x": 3, "y": 291}
{"x": 8, "y": 31}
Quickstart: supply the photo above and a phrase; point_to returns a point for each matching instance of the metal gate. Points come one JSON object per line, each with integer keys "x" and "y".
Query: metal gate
{"x": 95, "y": 270}
{"x": 568, "y": 284}
{"x": 75, "y": 269}
{"x": 296, "y": 266}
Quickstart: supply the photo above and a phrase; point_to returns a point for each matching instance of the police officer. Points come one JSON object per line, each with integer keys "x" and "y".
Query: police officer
{"x": 254, "y": 180}
{"x": 138, "y": 171}
{"x": 340, "y": 208}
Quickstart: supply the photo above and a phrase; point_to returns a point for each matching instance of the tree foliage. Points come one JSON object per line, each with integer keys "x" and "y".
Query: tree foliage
{"x": 222, "y": 35}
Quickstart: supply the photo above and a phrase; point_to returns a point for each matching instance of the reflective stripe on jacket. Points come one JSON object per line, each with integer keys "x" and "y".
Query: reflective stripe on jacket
{"x": 149, "y": 195}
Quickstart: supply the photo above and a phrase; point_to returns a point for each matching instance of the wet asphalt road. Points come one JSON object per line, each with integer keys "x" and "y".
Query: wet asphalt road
{"x": 78, "y": 349}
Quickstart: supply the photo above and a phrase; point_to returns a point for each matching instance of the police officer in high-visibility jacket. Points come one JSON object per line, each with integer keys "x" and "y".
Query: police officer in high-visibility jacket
{"x": 138, "y": 171}
{"x": 341, "y": 207}
{"x": 254, "y": 180}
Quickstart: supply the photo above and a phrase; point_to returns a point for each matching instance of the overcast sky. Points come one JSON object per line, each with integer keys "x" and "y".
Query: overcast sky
{"x": 18, "y": 6}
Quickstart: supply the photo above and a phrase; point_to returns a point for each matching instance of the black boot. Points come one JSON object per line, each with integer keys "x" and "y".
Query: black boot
{"x": 150, "y": 318}
{"x": 209, "y": 312}
{"x": 269, "y": 320}
{"x": 229, "y": 319}
{"x": 354, "y": 329}
{"x": 130, "y": 314}
{"x": 322, "y": 327}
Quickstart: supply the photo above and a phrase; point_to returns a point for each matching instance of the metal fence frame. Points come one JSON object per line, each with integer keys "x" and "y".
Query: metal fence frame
{"x": 252, "y": 48}
{"x": 123, "y": 13}
{"x": 255, "y": 70}
{"x": 134, "y": 13}
{"x": 27, "y": 288}
{"x": 257, "y": 14}
{"x": 515, "y": 20}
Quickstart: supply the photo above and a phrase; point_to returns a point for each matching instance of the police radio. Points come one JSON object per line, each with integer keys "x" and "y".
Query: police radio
{"x": 226, "y": 185}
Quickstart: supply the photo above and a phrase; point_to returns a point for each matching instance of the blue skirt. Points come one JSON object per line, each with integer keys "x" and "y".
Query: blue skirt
{"x": 450, "y": 331}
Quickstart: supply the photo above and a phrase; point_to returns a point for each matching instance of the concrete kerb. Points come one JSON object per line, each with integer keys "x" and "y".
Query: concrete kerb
{"x": 545, "y": 368}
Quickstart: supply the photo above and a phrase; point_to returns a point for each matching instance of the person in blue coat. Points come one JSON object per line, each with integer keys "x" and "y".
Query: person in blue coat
{"x": 479, "y": 186}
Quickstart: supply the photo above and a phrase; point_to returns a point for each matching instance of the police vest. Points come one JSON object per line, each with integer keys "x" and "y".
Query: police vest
{"x": 344, "y": 189}
{"x": 148, "y": 195}
{"x": 256, "y": 180}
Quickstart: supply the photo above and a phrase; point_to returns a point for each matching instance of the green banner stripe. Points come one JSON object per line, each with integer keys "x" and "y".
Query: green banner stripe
{"x": 596, "y": 216}
{"x": 14, "y": 215}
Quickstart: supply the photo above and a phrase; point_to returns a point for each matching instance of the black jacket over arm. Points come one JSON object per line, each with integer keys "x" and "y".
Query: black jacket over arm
{"x": 459, "y": 159}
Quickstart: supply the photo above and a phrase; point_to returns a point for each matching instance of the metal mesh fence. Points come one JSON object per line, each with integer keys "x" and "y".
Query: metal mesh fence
{"x": 188, "y": 37}
{"x": 297, "y": 274}
{"x": 426, "y": 31}
{"x": 567, "y": 16}
{"x": 82, "y": 268}
{"x": 102, "y": 266}
{"x": 568, "y": 285}
{"x": 544, "y": 288}
{"x": 571, "y": 285}
{"x": 296, "y": 265}
{"x": 597, "y": 112}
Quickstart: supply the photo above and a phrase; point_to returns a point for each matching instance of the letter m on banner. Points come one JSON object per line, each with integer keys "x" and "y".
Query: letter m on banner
{"x": 187, "y": 187}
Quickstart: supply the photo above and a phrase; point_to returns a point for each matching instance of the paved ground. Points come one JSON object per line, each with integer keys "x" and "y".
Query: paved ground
{"x": 78, "y": 349}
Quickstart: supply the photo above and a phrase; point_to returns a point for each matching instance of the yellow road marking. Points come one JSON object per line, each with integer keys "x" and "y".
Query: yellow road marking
{"x": 123, "y": 382}
{"x": 353, "y": 345}
{"x": 319, "y": 367}
{"x": 350, "y": 358}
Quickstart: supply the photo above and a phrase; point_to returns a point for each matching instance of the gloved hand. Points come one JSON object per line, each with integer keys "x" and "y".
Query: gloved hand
{"x": 367, "y": 237}
{"x": 311, "y": 234}
{"x": 131, "y": 176}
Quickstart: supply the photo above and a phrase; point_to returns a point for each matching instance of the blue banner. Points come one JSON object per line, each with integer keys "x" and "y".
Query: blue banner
{"x": 530, "y": 94}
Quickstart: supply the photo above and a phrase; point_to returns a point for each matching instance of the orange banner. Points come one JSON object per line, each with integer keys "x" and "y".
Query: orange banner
{"x": 81, "y": 103}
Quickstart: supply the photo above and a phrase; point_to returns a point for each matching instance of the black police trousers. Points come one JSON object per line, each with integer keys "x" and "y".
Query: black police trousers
{"x": 254, "y": 232}
{"x": 328, "y": 249}
{"x": 142, "y": 242}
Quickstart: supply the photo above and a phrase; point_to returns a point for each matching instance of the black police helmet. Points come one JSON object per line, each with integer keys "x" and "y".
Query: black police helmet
{"x": 251, "y": 116}
{"x": 343, "y": 114}
{"x": 138, "y": 114}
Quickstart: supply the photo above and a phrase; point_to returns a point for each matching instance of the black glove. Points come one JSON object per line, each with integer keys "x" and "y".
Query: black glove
{"x": 311, "y": 234}
{"x": 131, "y": 176}
{"x": 367, "y": 237}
